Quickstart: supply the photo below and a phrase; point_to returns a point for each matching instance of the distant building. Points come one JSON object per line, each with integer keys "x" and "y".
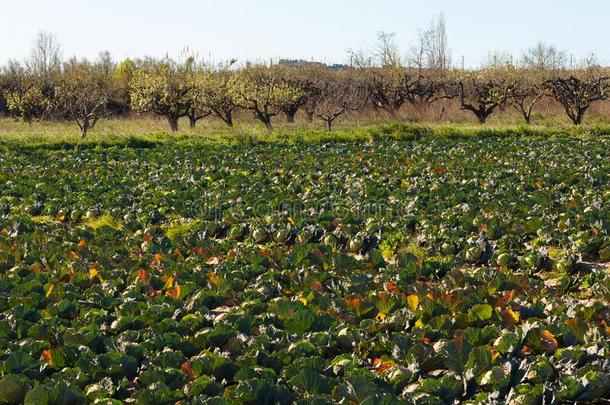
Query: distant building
{"x": 300, "y": 63}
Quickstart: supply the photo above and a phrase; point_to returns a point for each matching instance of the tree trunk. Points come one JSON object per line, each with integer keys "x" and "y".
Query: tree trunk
{"x": 393, "y": 110}
{"x": 482, "y": 116}
{"x": 265, "y": 119}
{"x": 290, "y": 116}
{"x": 309, "y": 115}
{"x": 173, "y": 123}
{"x": 329, "y": 125}
{"x": 481, "y": 112}
{"x": 84, "y": 128}
{"x": 527, "y": 116}
{"x": 192, "y": 121}
{"x": 228, "y": 118}
{"x": 268, "y": 125}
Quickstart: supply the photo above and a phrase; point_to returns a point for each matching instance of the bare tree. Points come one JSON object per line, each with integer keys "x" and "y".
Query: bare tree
{"x": 390, "y": 88}
{"x": 314, "y": 92}
{"x": 544, "y": 57}
{"x": 499, "y": 58}
{"x": 577, "y": 94}
{"x": 429, "y": 89}
{"x": 35, "y": 94}
{"x": 590, "y": 62}
{"x": 386, "y": 50}
{"x": 45, "y": 56}
{"x": 418, "y": 51}
{"x": 529, "y": 90}
{"x": 83, "y": 93}
{"x": 439, "y": 54}
{"x": 339, "y": 94}
{"x": 431, "y": 50}
{"x": 483, "y": 92}
{"x": 106, "y": 63}
{"x": 360, "y": 58}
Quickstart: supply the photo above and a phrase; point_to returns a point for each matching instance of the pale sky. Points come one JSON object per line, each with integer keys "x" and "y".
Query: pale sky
{"x": 319, "y": 29}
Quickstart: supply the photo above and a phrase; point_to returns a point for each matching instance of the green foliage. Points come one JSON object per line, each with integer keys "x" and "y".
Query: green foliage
{"x": 150, "y": 270}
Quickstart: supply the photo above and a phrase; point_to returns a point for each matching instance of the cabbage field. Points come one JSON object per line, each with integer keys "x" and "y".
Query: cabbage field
{"x": 428, "y": 270}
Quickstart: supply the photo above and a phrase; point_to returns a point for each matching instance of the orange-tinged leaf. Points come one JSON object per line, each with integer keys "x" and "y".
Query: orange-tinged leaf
{"x": 316, "y": 285}
{"x": 450, "y": 300}
{"x": 214, "y": 278}
{"x": 174, "y": 292}
{"x": 548, "y": 342}
{"x": 391, "y": 287}
{"x": 47, "y": 356}
{"x": 267, "y": 254}
{"x": 353, "y": 303}
{"x": 382, "y": 366}
{"x": 526, "y": 350}
{"x": 82, "y": 243}
{"x": 459, "y": 341}
{"x": 506, "y": 298}
{"x": 494, "y": 353}
{"x": 198, "y": 250}
{"x": 187, "y": 370}
{"x": 317, "y": 252}
{"x": 157, "y": 258}
{"x": 509, "y": 316}
{"x": 73, "y": 255}
{"x": 169, "y": 282}
{"x": 606, "y": 327}
{"x": 304, "y": 300}
{"x": 143, "y": 276}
